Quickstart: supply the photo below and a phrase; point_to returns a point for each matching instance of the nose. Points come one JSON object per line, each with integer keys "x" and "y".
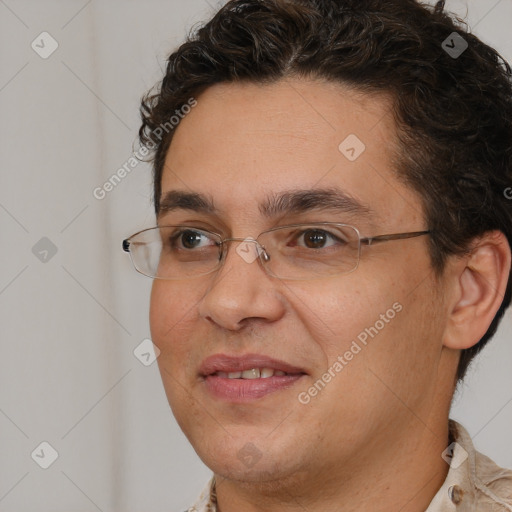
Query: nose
{"x": 241, "y": 289}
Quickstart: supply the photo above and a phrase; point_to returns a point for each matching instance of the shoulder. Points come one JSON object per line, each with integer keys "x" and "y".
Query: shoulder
{"x": 486, "y": 482}
{"x": 491, "y": 480}
{"x": 474, "y": 481}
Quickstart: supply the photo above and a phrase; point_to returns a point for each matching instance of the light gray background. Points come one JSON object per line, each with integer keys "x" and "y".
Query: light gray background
{"x": 69, "y": 325}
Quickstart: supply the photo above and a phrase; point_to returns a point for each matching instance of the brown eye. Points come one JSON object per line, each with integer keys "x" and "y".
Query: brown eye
{"x": 190, "y": 239}
{"x": 315, "y": 239}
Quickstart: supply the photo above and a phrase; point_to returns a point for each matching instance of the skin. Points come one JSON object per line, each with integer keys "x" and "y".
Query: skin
{"x": 372, "y": 438}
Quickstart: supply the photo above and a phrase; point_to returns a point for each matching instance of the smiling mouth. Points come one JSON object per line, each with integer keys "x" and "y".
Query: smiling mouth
{"x": 253, "y": 373}
{"x": 246, "y": 386}
{"x": 248, "y": 377}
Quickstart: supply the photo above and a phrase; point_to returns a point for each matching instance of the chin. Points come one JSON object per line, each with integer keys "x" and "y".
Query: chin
{"x": 247, "y": 461}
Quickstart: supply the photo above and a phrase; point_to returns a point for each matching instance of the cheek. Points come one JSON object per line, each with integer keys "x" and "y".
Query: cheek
{"x": 403, "y": 349}
{"x": 170, "y": 309}
{"x": 159, "y": 310}
{"x": 171, "y": 325}
{"x": 171, "y": 321}
{"x": 336, "y": 311}
{"x": 370, "y": 319}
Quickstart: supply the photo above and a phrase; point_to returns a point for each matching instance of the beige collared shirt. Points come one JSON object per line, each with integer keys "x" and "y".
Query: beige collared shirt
{"x": 474, "y": 483}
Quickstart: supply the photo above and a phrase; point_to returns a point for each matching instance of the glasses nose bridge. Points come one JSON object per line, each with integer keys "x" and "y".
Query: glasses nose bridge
{"x": 259, "y": 248}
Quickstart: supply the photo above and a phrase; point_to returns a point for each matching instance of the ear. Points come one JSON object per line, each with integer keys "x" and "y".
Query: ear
{"x": 480, "y": 281}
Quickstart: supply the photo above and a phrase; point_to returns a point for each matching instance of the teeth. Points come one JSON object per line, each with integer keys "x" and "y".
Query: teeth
{"x": 253, "y": 373}
{"x": 266, "y": 372}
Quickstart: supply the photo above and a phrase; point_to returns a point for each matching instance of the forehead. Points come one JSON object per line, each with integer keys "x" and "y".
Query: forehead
{"x": 244, "y": 144}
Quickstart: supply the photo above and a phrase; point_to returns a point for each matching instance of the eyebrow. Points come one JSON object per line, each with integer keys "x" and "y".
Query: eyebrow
{"x": 287, "y": 202}
{"x": 193, "y": 201}
{"x": 301, "y": 201}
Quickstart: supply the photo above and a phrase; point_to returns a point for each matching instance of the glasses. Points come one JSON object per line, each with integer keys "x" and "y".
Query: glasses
{"x": 294, "y": 252}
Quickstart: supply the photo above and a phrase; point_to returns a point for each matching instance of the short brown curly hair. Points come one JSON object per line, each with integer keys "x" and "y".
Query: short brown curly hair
{"x": 453, "y": 115}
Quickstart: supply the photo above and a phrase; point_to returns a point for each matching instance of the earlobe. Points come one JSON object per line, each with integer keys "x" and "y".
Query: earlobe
{"x": 480, "y": 279}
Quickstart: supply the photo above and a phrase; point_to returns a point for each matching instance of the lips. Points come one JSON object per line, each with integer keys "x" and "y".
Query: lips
{"x": 224, "y": 364}
{"x": 243, "y": 379}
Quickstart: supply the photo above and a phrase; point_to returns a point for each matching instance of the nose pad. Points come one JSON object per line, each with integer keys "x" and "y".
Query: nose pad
{"x": 266, "y": 257}
{"x": 249, "y": 249}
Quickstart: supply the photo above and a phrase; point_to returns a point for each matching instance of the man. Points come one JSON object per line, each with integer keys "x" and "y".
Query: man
{"x": 332, "y": 250}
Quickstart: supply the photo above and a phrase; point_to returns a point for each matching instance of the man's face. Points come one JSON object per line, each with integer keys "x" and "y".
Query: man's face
{"x": 242, "y": 144}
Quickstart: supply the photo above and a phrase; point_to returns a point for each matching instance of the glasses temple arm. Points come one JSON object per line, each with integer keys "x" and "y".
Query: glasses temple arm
{"x": 397, "y": 236}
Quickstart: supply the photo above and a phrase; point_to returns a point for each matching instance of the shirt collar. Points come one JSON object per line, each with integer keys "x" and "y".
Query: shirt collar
{"x": 207, "y": 501}
{"x": 457, "y": 489}
{"x": 472, "y": 482}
